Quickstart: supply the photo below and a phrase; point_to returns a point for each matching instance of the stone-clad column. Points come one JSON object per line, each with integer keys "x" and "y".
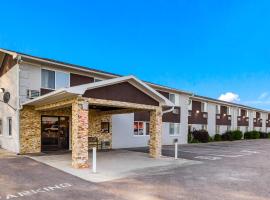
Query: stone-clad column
{"x": 80, "y": 135}
{"x": 155, "y": 133}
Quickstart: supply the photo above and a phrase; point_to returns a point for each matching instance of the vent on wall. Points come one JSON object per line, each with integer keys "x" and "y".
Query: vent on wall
{"x": 31, "y": 94}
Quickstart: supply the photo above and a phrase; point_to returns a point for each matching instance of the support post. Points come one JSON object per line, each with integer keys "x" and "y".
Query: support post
{"x": 155, "y": 133}
{"x": 94, "y": 166}
{"x": 80, "y": 134}
{"x": 176, "y": 150}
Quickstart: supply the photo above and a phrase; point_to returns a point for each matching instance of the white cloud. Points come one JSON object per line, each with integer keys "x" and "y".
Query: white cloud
{"x": 229, "y": 96}
{"x": 263, "y": 95}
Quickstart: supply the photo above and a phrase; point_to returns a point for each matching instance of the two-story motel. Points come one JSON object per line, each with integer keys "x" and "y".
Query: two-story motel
{"x": 47, "y": 105}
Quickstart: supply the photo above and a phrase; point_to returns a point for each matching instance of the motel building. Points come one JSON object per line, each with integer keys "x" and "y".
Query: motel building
{"x": 48, "y": 105}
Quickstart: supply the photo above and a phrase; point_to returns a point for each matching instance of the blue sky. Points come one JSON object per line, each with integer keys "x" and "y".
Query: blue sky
{"x": 208, "y": 47}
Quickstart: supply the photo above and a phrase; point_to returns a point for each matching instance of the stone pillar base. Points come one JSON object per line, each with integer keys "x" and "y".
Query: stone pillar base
{"x": 155, "y": 133}
{"x": 79, "y": 135}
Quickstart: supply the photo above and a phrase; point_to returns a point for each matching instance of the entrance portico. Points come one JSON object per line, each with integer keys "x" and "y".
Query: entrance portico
{"x": 85, "y": 103}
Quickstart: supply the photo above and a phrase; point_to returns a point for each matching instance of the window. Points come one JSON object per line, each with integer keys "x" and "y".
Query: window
{"x": 47, "y": 79}
{"x": 174, "y": 129}
{"x": 204, "y": 127}
{"x": 190, "y": 104}
{"x": 172, "y": 98}
{"x": 238, "y": 128}
{"x": 61, "y": 80}
{"x": 246, "y": 129}
{"x": 147, "y": 128}
{"x": 1, "y": 127}
{"x": 247, "y": 115}
{"x": 228, "y": 110}
{"x": 141, "y": 128}
{"x": 105, "y": 127}
{"x": 9, "y": 119}
{"x": 239, "y": 112}
{"x": 203, "y": 107}
{"x": 54, "y": 80}
{"x": 218, "y": 109}
{"x": 217, "y": 129}
{"x": 229, "y": 128}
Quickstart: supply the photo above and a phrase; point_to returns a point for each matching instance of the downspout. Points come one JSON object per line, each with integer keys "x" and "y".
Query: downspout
{"x": 167, "y": 111}
{"x": 19, "y": 107}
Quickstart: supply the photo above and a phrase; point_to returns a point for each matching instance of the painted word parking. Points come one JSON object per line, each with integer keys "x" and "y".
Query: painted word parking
{"x": 36, "y": 191}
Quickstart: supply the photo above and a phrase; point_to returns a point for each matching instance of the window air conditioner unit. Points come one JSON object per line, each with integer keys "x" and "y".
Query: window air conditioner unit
{"x": 176, "y": 111}
{"x": 31, "y": 94}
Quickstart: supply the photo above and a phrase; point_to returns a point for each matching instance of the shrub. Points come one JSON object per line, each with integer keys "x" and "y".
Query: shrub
{"x": 210, "y": 139}
{"x": 255, "y": 135}
{"x": 201, "y": 135}
{"x": 247, "y": 135}
{"x": 217, "y": 137}
{"x": 227, "y": 136}
{"x": 237, "y": 135}
{"x": 252, "y": 135}
{"x": 269, "y": 135}
{"x": 263, "y": 135}
{"x": 190, "y": 137}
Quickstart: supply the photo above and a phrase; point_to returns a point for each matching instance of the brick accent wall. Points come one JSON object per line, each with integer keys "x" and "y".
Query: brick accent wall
{"x": 95, "y": 119}
{"x": 30, "y": 130}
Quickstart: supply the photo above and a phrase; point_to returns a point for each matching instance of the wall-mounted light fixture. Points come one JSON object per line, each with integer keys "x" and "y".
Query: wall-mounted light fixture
{"x": 197, "y": 111}
{"x": 2, "y": 90}
{"x": 224, "y": 114}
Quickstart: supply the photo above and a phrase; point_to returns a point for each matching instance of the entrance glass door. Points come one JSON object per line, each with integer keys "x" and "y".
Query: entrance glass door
{"x": 54, "y": 133}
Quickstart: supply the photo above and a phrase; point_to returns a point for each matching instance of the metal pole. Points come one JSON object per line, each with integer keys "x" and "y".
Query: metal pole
{"x": 175, "y": 150}
{"x": 94, "y": 159}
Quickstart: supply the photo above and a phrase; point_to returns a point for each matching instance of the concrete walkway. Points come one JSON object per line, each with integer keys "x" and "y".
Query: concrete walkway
{"x": 114, "y": 164}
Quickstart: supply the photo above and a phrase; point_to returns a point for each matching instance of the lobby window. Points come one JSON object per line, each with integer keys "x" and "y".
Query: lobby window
{"x": 1, "y": 127}
{"x": 54, "y": 79}
{"x": 105, "y": 127}
{"x": 174, "y": 129}
{"x": 138, "y": 128}
{"x": 9, "y": 120}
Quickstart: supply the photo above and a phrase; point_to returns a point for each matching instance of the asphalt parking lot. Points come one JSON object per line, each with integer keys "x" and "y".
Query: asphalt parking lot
{"x": 239, "y": 170}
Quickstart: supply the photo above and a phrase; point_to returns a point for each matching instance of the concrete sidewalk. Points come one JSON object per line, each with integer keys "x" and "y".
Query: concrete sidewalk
{"x": 114, "y": 164}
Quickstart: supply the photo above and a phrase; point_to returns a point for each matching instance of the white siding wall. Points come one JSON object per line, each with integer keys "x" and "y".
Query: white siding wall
{"x": 9, "y": 81}
{"x": 122, "y": 132}
{"x": 251, "y": 116}
{"x": 211, "y": 109}
{"x": 122, "y": 129}
{"x": 234, "y": 111}
{"x": 264, "y": 117}
{"x": 30, "y": 78}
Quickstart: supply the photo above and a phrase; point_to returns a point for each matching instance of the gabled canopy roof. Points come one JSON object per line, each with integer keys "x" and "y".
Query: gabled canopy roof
{"x": 65, "y": 93}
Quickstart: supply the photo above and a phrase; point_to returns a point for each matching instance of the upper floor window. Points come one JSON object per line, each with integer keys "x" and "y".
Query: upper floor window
{"x": 239, "y": 112}
{"x": 174, "y": 98}
{"x": 228, "y": 110}
{"x": 54, "y": 79}
{"x": 203, "y": 107}
{"x": 189, "y": 104}
{"x": 218, "y": 109}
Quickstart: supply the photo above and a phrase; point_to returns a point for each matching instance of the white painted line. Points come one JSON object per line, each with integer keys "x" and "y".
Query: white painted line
{"x": 208, "y": 158}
